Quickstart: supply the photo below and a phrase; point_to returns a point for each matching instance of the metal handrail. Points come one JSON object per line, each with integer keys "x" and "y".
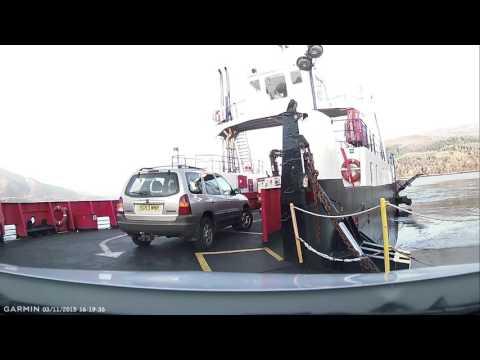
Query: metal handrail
{"x": 212, "y": 161}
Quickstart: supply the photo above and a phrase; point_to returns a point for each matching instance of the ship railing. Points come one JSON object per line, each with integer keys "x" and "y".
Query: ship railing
{"x": 212, "y": 162}
{"x": 219, "y": 115}
{"x": 355, "y": 133}
{"x": 399, "y": 255}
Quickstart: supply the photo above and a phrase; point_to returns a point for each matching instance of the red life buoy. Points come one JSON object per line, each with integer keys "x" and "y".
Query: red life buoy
{"x": 351, "y": 170}
{"x": 60, "y": 215}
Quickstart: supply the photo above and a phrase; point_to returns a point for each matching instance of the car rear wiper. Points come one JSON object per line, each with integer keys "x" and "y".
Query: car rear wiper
{"x": 141, "y": 193}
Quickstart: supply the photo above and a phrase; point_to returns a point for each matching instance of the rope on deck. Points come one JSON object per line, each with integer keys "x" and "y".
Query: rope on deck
{"x": 328, "y": 257}
{"x": 337, "y": 216}
{"x": 331, "y": 258}
{"x": 376, "y": 207}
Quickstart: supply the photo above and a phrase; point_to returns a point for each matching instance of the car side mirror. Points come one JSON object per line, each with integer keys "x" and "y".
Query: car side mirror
{"x": 234, "y": 192}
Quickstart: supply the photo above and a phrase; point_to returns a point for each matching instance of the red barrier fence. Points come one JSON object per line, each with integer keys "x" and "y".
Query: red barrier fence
{"x": 59, "y": 216}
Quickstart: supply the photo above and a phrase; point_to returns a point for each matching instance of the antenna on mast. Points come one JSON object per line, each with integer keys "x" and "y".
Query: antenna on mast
{"x": 384, "y": 154}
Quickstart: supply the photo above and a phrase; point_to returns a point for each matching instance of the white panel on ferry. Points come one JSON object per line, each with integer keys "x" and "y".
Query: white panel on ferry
{"x": 103, "y": 222}
{"x": 10, "y": 232}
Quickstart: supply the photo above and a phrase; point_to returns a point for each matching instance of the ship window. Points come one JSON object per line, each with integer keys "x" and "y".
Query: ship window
{"x": 276, "y": 86}
{"x": 255, "y": 84}
{"x": 296, "y": 77}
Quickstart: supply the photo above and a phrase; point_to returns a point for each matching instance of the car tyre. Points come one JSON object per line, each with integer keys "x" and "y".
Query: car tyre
{"x": 205, "y": 234}
{"x": 141, "y": 240}
{"x": 246, "y": 221}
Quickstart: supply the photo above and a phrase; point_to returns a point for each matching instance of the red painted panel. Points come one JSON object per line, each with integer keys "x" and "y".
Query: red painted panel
{"x": 271, "y": 212}
{"x": 253, "y": 201}
{"x": 85, "y": 221}
{"x": 250, "y": 185}
{"x": 242, "y": 182}
{"x": 2, "y": 219}
{"x": 21, "y": 226}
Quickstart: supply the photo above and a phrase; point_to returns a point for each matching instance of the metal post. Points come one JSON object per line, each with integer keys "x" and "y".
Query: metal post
{"x": 295, "y": 231}
{"x": 223, "y": 154}
{"x": 292, "y": 190}
{"x": 386, "y": 251}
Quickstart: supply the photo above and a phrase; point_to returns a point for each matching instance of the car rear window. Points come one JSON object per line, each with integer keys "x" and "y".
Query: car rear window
{"x": 153, "y": 185}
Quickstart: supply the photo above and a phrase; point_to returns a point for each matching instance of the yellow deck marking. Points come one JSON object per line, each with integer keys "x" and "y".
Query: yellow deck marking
{"x": 273, "y": 253}
{"x": 205, "y": 267}
{"x": 202, "y": 262}
{"x": 229, "y": 251}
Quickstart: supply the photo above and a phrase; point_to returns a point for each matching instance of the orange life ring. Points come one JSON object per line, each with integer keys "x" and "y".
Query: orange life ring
{"x": 62, "y": 218}
{"x": 349, "y": 173}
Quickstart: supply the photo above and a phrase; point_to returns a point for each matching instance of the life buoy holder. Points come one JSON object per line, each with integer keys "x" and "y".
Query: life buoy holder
{"x": 60, "y": 215}
{"x": 351, "y": 170}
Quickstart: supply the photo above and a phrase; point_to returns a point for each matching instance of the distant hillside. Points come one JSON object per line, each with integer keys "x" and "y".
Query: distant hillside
{"x": 14, "y": 187}
{"x": 439, "y": 152}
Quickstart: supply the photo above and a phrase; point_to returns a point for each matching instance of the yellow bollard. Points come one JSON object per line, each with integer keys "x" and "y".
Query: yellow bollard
{"x": 386, "y": 253}
{"x": 295, "y": 231}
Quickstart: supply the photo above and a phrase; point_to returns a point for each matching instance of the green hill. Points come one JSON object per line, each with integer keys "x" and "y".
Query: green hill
{"x": 435, "y": 154}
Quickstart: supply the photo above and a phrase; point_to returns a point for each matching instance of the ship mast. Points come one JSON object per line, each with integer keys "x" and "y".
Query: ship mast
{"x": 306, "y": 63}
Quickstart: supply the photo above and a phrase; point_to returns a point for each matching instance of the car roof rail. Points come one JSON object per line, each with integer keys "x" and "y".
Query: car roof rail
{"x": 154, "y": 167}
{"x": 177, "y": 166}
{"x": 180, "y": 166}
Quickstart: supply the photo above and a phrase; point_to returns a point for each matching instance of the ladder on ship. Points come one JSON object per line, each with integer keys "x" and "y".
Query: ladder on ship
{"x": 243, "y": 152}
{"x": 236, "y": 152}
{"x": 229, "y": 154}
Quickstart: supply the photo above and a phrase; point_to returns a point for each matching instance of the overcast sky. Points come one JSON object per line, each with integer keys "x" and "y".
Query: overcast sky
{"x": 85, "y": 117}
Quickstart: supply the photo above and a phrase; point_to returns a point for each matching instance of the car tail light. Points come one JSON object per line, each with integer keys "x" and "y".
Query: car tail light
{"x": 120, "y": 206}
{"x": 184, "y": 206}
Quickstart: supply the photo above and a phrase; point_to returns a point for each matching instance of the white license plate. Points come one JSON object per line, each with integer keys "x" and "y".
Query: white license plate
{"x": 149, "y": 208}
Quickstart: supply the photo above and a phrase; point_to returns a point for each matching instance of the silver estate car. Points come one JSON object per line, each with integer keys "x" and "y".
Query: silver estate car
{"x": 182, "y": 201}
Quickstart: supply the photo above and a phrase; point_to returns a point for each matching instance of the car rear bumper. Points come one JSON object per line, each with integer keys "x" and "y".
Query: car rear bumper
{"x": 182, "y": 226}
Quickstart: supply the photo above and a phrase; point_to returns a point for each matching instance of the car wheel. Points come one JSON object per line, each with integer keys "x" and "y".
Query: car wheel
{"x": 246, "y": 220}
{"x": 141, "y": 240}
{"x": 205, "y": 234}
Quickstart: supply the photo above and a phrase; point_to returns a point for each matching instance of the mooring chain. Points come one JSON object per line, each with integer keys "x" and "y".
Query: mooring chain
{"x": 321, "y": 197}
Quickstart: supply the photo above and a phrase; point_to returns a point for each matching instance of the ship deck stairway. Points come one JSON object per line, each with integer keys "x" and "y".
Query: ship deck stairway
{"x": 243, "y": 152}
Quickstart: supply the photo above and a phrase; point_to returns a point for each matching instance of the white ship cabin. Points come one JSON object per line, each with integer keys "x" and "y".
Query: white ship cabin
{"x": 341, "y": 127}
